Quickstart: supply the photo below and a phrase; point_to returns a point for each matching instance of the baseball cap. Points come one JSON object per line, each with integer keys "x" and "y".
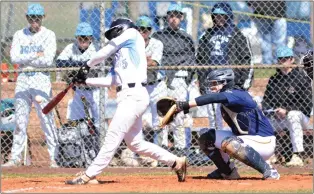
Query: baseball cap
{"x": 284, "y": 51}
{"x": 175, "y": 7}
{"x": 84, "y": 29}
{"x": 35, "y": 9}
{"x": 144, "y": 21}
{"x": 219, "y": 10}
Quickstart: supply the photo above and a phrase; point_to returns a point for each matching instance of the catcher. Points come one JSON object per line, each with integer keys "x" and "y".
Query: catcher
{"x": 251, "y": 140}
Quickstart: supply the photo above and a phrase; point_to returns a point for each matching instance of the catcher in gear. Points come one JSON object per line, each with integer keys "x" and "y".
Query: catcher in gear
{"x": 251, "y": 140}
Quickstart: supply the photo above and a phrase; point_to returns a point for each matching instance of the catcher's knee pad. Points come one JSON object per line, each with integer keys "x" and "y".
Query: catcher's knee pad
{"x": 207, "y": 139}
{"x": 236, "y": 148}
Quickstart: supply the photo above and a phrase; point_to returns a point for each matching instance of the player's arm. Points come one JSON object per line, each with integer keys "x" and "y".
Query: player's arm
{"x": 102, "y": 81}
{"x": 202, "y": 100}
{"x": 113, "y": 45}
{"x": 48, "y": 53}
{"x": 155, "y": 59}
{"x": 17, "y": 53}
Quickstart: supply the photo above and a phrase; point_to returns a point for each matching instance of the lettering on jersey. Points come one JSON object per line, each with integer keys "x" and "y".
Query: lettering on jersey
{"x": 31, "y": 49}
{"x": 218, "y": 43}
{"x": 120, "y": 62}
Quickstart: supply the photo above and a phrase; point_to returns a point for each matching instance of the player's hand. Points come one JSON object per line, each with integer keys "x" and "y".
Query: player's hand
{"x": 281, "y": 113}
{"x": 81, "y": 75}
{"x": 40, "y": 54}
{"x": 183, "y": 106}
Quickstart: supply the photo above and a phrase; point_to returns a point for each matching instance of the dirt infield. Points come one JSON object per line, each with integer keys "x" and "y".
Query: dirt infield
{"x": 148, "y": 180}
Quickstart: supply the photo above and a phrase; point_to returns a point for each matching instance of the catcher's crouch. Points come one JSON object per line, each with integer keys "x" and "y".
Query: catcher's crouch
{"x": 251, "y": 140}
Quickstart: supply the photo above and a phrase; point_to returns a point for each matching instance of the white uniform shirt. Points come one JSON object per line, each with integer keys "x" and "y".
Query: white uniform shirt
{"x": 72, "y": 52}
{"x": 130, "y": 64}
{"x": 154, "y": 49}
{"x": 26, "y": 45}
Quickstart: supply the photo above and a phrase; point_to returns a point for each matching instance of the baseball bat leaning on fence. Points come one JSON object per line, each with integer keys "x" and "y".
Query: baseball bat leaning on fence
{"x": 88, "y": 117}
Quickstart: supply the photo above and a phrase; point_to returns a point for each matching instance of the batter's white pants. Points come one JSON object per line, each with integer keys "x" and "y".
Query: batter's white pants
{"x": 75, "y": 109}
{"x": 28, "y": 86}
{"x": 265, "y": 146}
{"x": 127, "y": 124}
{"x": 295, "y": 121}
{"x": 177, "y": 126}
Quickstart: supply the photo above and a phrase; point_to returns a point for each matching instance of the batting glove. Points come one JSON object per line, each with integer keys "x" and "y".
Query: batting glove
{"x": 183, "y": 106}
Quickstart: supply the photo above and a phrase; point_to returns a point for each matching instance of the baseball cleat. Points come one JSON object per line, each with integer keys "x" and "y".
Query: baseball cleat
{"x": 216, "y": 174}
{"x": 271, "y": 174}
{"x": 295, "y": 161}
{"x": 180, "y": 168}
{"x": 82, "y": 179}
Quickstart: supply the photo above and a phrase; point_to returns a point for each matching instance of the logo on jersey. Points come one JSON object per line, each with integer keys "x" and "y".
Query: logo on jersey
{"x": 31, "y": 49}
{"x": 291, "y": 90}
{"x": 218, "y": 43}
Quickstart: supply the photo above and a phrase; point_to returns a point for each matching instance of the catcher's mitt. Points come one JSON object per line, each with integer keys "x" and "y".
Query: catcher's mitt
{"x": 167, "y": 109}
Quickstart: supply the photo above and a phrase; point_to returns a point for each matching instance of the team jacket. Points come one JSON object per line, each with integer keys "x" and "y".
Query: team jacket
{"x": 291, "y": 92}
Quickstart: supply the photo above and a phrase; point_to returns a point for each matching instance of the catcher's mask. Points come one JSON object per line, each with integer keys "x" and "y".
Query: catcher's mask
{"x": 118, "y": 26}
{"x": 220, "y": 76}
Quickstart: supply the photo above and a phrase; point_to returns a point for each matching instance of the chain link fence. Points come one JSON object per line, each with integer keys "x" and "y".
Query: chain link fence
{"x": 71, "y": 135}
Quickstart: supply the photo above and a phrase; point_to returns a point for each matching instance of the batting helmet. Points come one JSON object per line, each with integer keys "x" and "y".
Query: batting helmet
{"x": 118, "y": 26}
{"x": 225, "y": 76}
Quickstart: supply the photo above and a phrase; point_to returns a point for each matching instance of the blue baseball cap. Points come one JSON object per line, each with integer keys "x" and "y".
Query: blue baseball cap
{"x": 284, "y": 51}
{"x": 84, "y": 29}
{"x": 35, "y": 9}
{"x": 175, "y": 7}
{"x": 144, "y": 21}
{"x": 219, "y": 10}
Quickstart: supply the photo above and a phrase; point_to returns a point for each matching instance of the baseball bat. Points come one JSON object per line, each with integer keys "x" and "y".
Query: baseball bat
{"x": 88, "y": 117}
{"x": 55, "y": 100}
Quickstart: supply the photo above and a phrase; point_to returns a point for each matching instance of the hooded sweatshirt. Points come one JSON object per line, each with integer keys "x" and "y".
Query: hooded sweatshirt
{"x": 224, "y": 45}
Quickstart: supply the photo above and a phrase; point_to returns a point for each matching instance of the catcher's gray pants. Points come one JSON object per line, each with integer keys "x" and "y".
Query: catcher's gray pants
{"x": 28, "y": 86}
{"x": 127, "y": 124}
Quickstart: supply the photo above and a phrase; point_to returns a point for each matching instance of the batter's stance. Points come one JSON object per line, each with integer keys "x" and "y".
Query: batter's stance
{"x": 129, "y": 74}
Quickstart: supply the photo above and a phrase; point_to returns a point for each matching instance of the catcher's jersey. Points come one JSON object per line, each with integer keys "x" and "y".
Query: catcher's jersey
{"x": 154, "y": 50}
{"x": 242, "y": 114}
{"x": 72, "y": 52}
{"x": 26, "y": 45}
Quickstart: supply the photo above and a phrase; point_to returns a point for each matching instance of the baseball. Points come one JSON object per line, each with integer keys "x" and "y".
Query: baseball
{"x": 38, "y": 99}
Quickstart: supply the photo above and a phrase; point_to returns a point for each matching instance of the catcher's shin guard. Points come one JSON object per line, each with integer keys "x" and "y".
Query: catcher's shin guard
{"x": 206, "y": 142}
{"x": 244, "y": 153}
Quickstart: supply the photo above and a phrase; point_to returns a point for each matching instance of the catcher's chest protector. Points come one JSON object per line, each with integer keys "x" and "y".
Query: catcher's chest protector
{"x": 77, "y": 147}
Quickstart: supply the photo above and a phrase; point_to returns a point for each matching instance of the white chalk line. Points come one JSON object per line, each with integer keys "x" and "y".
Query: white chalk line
{"x": 34, "y": 188}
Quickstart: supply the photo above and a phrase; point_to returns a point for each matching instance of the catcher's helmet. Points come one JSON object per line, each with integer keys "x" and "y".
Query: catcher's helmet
{"x": 307, "y": 61}
{"x": 225, "y": 76}
{"x": 118, "y": 26}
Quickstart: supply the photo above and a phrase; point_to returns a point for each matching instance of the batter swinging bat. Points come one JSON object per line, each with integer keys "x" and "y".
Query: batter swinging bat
{"x": 55, "y": 100}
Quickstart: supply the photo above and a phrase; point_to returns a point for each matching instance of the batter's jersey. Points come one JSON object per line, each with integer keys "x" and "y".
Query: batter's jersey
{"x": 242, "y": 114}
{"x": 130, "y": 64}
{"x": 154, "y": 50}
{"x": 72, "y": 52}
{"x": 26, "y": 45}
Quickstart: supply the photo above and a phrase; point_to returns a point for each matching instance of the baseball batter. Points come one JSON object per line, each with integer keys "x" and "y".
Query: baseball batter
{"x": 251, "y": 140}
{"x": 129, "y": 74}
{"x": 156, "y": 85}
{"x": 33, "y": 47}
{"x": 74, "y": 55}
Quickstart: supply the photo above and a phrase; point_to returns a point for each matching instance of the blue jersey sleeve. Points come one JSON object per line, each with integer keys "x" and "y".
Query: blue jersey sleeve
{"x": 239, "y": 97}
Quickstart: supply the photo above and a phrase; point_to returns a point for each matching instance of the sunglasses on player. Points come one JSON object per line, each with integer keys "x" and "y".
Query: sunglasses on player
{"x": 144, "y": 29}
